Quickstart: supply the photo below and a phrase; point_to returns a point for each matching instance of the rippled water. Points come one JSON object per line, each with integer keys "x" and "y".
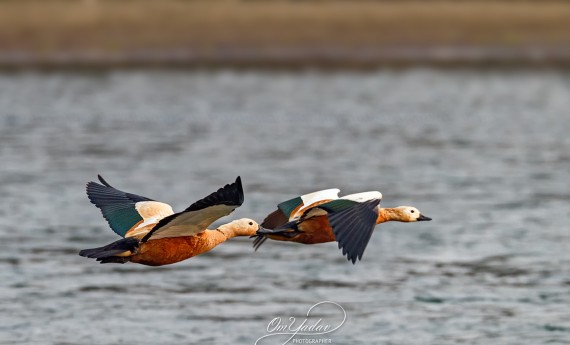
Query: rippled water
{"x": 486, "y": 154}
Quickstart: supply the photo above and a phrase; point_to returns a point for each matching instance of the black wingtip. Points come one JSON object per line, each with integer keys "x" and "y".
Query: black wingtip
{"x": 91, "y": 185}
{"x": 90, "y": 188}
{"x": 230, "y": 194}
{"x": 353, "y": 228}
{"x": 239, "y": 189}
{"x": 102, "y": 180}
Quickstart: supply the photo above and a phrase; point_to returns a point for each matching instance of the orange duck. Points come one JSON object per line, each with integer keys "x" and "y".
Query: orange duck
{"x": 154, "y": 235}
{"x": 322, "y": 216}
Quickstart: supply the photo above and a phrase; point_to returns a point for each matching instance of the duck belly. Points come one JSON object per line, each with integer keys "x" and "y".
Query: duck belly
{"x": 315, "y": 230}
{"x": 167, "y": 251}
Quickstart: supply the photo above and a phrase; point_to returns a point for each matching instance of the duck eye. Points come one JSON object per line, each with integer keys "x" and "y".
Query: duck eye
{"x": 250, "y": 223}
{"x": 412, "y": 211}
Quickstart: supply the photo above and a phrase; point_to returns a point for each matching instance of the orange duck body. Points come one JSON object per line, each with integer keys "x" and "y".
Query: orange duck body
{"x": 316, "y": 230}
{"x": 154, "y": 235}
{"x": 349, "y": 220}
{"x": 170, "y": 250}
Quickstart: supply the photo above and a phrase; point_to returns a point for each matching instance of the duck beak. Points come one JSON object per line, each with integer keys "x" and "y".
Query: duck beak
{"x": 259, "y": 227}
{"x": 263, "y": 231}
{"x": 423, "y": 218}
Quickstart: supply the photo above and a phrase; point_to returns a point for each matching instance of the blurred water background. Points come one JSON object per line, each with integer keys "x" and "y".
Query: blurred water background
{"x": 485, "y": 153}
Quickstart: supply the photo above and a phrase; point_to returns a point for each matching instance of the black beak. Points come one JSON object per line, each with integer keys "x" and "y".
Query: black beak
{"x": 263, "y": 231}
{"x": 423, "y": 218}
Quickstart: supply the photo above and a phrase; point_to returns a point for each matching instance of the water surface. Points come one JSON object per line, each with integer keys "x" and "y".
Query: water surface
{"x": 486, "y": 154}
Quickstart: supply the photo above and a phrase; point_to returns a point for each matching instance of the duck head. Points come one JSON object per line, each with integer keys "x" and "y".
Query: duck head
{"x": 241, "y": 227}
{"x": 409, "y": 214}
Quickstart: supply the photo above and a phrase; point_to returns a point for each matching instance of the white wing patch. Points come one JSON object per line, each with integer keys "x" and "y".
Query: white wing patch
{"x": 151, "y": 212}
{"x": 327, "y": 194}
{"x": 153, "y": 209}
{"x": 312, "y": 198}
{"x": 364, "y": 196}
{"x": 192, "y": 223}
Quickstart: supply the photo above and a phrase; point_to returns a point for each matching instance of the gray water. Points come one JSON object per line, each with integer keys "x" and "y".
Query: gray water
{"x": 486, "y": 154}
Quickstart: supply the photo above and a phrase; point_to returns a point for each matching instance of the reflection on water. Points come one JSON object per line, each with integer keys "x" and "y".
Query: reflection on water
{"x": 486, "y": 154}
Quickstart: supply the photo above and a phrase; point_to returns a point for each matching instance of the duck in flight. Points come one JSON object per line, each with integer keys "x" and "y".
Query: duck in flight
{"x": 154, "y": 235}
{"x": 322, "y": 216}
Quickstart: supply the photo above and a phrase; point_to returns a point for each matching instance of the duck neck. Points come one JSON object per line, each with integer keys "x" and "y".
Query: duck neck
{"x": 231, "y": 231}
{"x": 387, "y": 215}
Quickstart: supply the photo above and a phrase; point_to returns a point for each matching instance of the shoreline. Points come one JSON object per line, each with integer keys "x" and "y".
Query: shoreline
{"x": 327, "y": 58}
{"x": 282, "y": 34}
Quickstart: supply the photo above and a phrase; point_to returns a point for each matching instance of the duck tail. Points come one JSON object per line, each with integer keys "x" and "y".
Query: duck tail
{"x": 116, "y": 252}
{"x": 262, "y": 234}
{"x": 259, "y": 240}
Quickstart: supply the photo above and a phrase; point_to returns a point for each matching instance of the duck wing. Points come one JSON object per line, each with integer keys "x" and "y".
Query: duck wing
{"x": 275, "y": 219}
{"x": 352, "y": 224}
{"x": 290, "y": 228}
{"x": 127, "y": 214}
{"x": 200, "y": 214}
{"x": 293, "y": 208}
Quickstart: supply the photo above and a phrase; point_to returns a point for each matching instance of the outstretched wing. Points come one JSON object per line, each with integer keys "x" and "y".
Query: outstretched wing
{"x": 127, "y": 214}
{"x": 352, "y": 224}
{"x": 287, "y": 210}
{"x": 200, "y": 214}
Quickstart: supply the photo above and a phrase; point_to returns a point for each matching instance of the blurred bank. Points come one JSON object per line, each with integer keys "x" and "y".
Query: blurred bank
{"x": 102, "y": 33}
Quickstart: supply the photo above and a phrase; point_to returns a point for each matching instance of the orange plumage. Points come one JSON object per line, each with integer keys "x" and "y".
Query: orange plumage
{"x": 170, "y": 250}
{"x": 314, "y": 230}
{"x": 154, "y": 235}
{"x": 349, "y": 220}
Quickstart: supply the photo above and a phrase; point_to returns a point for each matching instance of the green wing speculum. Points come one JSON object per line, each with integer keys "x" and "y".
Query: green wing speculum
{"x": 337, "y": 205}
{"x": 287, "y": 207}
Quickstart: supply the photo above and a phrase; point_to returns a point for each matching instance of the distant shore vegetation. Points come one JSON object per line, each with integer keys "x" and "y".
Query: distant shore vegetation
{"x": 334, "y": 32}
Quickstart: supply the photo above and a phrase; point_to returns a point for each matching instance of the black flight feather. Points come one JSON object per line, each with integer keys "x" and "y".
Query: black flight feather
{"x": 353, "y": 228}
{"x": 259, "y": 240}
{"x": 229, "y": 195}
{"x": 112, "y": 192}
{"x": 117, "y": 207}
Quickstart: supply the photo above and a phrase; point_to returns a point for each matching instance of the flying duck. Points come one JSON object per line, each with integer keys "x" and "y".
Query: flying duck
{"x": 154, "y": 235}
{"x": 322, "y": 216}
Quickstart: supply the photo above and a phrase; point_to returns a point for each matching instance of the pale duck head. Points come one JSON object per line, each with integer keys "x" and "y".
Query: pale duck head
{"x": 241, "y": 227}
{"x": 410, "y": 214}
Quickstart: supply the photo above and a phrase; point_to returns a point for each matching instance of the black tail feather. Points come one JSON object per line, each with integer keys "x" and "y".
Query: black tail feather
{"x": 114, "y": 259}
{"x": 108, "y": 253}
{"x": 261, "y": 235}
{"x": 259, "y": 240}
